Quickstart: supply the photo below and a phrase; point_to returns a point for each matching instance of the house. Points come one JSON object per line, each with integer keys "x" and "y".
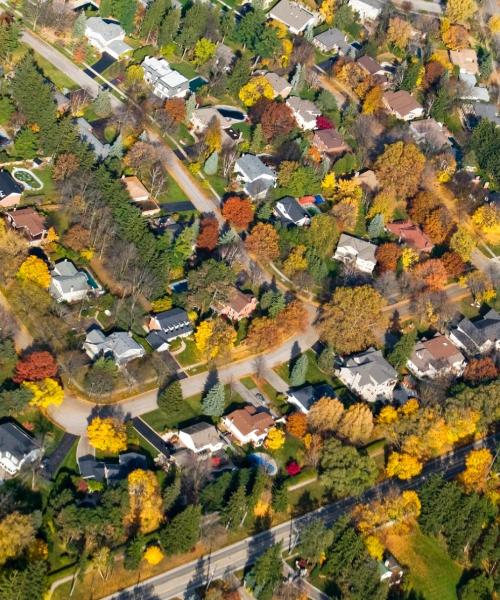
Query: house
{"x": 68, "y": 284}
{"x": 368, "y": 10}
{"x": 474, "y": 93}
{"x": 17, "y": 448}
{"x": 304, "y": 111}
{"x": 391, "y": 571}
{"x": 164, "y": 327}
{"x": 295, "y": 16}
{"x": 291, "y": 212}
{"x": 201, "y": 437}
{"x": 488, "y": 111}
{"x": 238, "y": 305}
{"x": 410, "y": 234}
{"x": 119, "y": 346}
{"x": 100, "y": 148}
{"x": 248, "y": 425}
{"x": 30, "y": 223}
{"x": 352, "y": 250}
{"x": 255, "y": 175}
{"x": 402, "y": 105}
{"x": 165, "y": 81}
{"x": 331, "y": 40}
{"x": 140, "y": 196}
{"x": 202, "y": 117}
{"x": 280, "y": 85}
{"x": 436, "y": 357}
{"x": 303, "y": 398}
{"x": 479, "y": 336}
{"x": 108, "y": 470}
{"x": 107, "y": 36}
{"x": 10, "y": 190}
{"x": 428, "y": 132}
{"x": 370, "y": 66}
{"x": 330, "y": 141}
{"x": 369, "y": 375}
{"x": 224, "y": 57}
{"x": 465, "y": 60}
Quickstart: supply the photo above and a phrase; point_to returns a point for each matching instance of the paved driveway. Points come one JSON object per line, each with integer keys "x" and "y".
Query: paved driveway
{"x": 101, "y": 65}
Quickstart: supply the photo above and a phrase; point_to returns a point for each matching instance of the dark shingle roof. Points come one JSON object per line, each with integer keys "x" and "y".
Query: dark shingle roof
{"x": 15, "y": 440}
{"x": 8, "y": 185}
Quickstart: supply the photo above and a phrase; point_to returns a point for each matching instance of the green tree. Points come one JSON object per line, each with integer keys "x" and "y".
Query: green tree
{"x": 26, "y": 143}
{"x": 240, "y": 75}
{"x": 299, "y": 371}
{"x": 8, "y": 359}
{"x": 214, "y": 494}
{"x": 344, "y": 471}
{"x": 314, "y": 539}
{"x": 183, "y": 531}
{"x": 402, "y": 350}
{"x": 171, "y": 400}
{"x": 102, "y": 104}
{"x": 79, "y": 26}
{"x": 280, "y": 496}
{"x": 172, "y": 492}
{"x": 133, "y": 552}
{"x": 250, "y": 29}
{"x": 211, "y": 164}
{"x": 323, "y": 235}
{"x": 124, "y": 11}
{"x": 257, "y": 139}
{"x": 14, "y": 401}
{"x": 169, "y": 27}
{"x": 266, "y": 574}
{"x": 212, "y": 279}
{"x": 477, "y": 588}
{"x": 485, "y": 142}
{"x": 153, "y": 17}
{"x": 236, "y": 508}
{"x": 101, "y": 377}
{"x": 9, "y": 38}
{"x": 376, "y": 226}
{"x": 213, "y": 403}
{"x": 6, "y": 110}
{"x": 411, "y": 76}
{"x": 28, "y": 583}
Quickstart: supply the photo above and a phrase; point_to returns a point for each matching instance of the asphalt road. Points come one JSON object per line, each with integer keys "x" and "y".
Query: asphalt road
{"x": 183, "y": 580}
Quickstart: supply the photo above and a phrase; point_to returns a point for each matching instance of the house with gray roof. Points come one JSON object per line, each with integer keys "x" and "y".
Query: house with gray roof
{"x": 107, "y": 36}
{"x": 357, "y": 252}
{"x": 304, "y": 397}
{"x": 201, "y": 438}
{"x": 255, "y": 176}
{"x": 304, "y": 111}
{"x": 68, "y": 284}
{"x": 165, "y": 81}
{"x": 166, "y": 326}
{"x": 17, "y": 448}
{"x": 332, "y": 40}
{"x": 369, "y": 375}
{"x": 119, "y": 346}
{"x": 479, "y": 336}
{"x": 295, "y": 16}
{"x": 100, "y": 148}
{"x": 436, "y": 357}
{"x": 281, "y": 86}
{"x": 111, "y": 471}
{"x": 290, "y": 212}
{"x": 369, "y": 10}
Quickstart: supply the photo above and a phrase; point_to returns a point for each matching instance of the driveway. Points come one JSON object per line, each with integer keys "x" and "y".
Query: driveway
{"x": 100, "y": 66}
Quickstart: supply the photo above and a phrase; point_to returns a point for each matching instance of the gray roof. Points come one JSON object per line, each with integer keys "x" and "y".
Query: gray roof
{"x": 69, "y": 278}
{"x": 292, "y": 14}
{"x": 108, "y": 30}
{"x": 100, "y": 470}
{"x": 86, "y": 132}
{"x": 478, "y": 332}
{"x": 119, "y": 47}
{"x": 8, "y": 185}
{"x": 364, "y": 250}
{"x": 257, "y": 187}
{"x": 305, "y": 108}
{"x": 487, "y": 111}
{"x": 332, "y": 38}
{"x": 305, "y": 396}
{"x": 372, "y": 367}
{"x": 174, "y": 320}
{"x": 278, "y": 83}
{"x": 117, "y": 343}
{"x": 15, "y": 440}
{"x": 253, "y": 167}
{"x": 202, "y": 434}
{"x": 294, "y": 210}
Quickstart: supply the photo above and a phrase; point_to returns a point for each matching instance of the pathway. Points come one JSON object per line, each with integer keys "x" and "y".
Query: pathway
{"x": 22, "y": 337}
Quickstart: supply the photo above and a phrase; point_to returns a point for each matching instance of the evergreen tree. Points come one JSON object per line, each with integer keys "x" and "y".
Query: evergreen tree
{"x": 214, "y": 495}
{"x": 124, "y": 11}
{"x": 172, "y": 492}
{"x": 79, "y": 26}
{"x": 183, "y": 531}
{"x": 213, "y": 403}
{"x": 211, "y": 164}
{"x": 402, "y": 350}
{"x": 26, "y": 144}
{"x": 105, "y": 8}
{"x": 376, "y": 226}
{"x": 299, "y": 371}
{"x": 102, "y": 104}
{"x": 240, "y": 75}
{"x": 309, "y": 33}
{"x": 266, "y": 574}
{"x": 29, "y": 583}
{"x": 153, "y": 17}
{"x": 296, "y": 82}
{"x": 280, "y": 497}
{"x": 257, "y": 139}
{"x": 237, "y": 507}
{"x": 278, "y": 304}
{"x": 8, "y": 359}
{"x": 477, "y": 588}
{"x": 190, "y": 106}
{"x": 116, "y": 150}
{"x": 326, "y": 361}
{"x": 314, "y": 539}
{"x": 171, "y": 401}
{"x": 169, "y": 27}
{"x": 260, "y": 481}
{"x": 228, "y": 237}
{"x": 133, "y": 552}
{"x": 9, "y": 39}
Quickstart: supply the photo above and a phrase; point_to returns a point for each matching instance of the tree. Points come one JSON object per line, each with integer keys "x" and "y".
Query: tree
{"x": 171, "y": 400}
{"x": 8, "y": 359}
{"x": 209, "y": 233}
{"x": 26, "y": 143}
{"x": 356, "y": 424}
{"x": 257, "y": 88}
{"x": 455, "y": 37}
{"x": 240, "y": 74}
{"x": 238, "y": 211}
{"x": 212, "y": 136}
{"x": 296, "y": 261}
{"x": 107, "y": 434}
{"x": 477, "y": 588}
{"x": 265, "y": 575}
{"x": 387, "y": 256}
{"x": 176, "y": 110}
{"x": 402, "y": 350}
{"x": 204, "y": 49}
{"x": 485, "y": 141}
{"x": 153, "y": 555}
{"x": 438, "y": 225}
{"x": 480, "y": 370}
{"x": 299, "y": 371}
{"x": 30, "y": 583}
{"x": 100, "y": 378}
{"x": 66, "y": 164}
{"x": 211, "y": 279}
{"x": 45, "y": 393}
{"x": 383, "y": 204}
{"x": 211, "y": 164}
{"x": 327, "y": 10}
{"x": 145, "y": 501}
{"x": 279, "y": 501}
{"x": 325, "y": 414}
{"x": 402, "y": 465}
{"x": 486, "y": 218}
{"x": 275, "y": 439}
{"x": 478, "y": 465}
{"x": 35, "y": 366}
{"x": 183, "y": 531}
{"x": 399, "y": 169}
{"x": 258, "y": 140}
{"x": 323, "y": 235}
{"x": 431, "y": 274}
{"x": 344, "y": 471}
{"x": 453, "y": 264}
{"x": 277, "y": 120}
{"x": 213, "y": 402}
{"x": 296, "y": 424}
{"x": 460, "y": 11}
{"x": 134, "y": 552}
{"x": 314, "y": 540}
{"x": 263, "y": 241}
{"x": 399, "y": 32}
{"x": 102, "y": 104}
{"x": 35, "y": 269}
{"x": 349, "y": 318}
{"x": 237, "y": 507}
{"x": 9, "y": 37}
{"x": 17, "y": 531}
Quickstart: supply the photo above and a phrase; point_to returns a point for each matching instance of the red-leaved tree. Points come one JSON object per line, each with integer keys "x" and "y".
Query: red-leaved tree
{"x": 238, "y": 211}
{"x": 35, "y": 366}
{"x": 323, "y": 123}
{"x": 209, "y": 233}
{"x": 480, "y": 369}
{"x": 277, "y": 119}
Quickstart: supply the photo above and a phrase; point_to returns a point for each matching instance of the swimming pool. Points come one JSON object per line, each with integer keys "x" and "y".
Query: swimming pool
{"x": 267, "y": 462}
{"x": 231, "y": 113}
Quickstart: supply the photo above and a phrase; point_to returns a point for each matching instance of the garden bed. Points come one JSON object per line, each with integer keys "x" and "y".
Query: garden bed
{"x": 28, "y": 179}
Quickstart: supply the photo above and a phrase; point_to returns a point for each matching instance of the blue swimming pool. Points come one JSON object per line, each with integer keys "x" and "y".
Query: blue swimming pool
{"x": 196, "y": 83}
{"x": 261, "y": 459}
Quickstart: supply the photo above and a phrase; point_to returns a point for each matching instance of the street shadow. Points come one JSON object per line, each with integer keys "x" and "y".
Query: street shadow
{"x": 201, "y": 577}
{"x": 107, "y": 410}
{"x": 212, "y": 379}
{"x": 140, "y": 592}
{"x": 295, "y": 352}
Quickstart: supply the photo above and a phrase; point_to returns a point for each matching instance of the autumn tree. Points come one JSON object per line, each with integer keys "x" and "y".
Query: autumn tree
{"x": 209, "y": 233}
{"x": 403, "y": 465}
{"x": 460, "y": 11}
{"x": 35, "y": 269}
{"x": 35, "y": 366}
{"x": 277, "y": 120}
{"x": 17, "y": 531}
{"x": 453, "y": 264}
{"x": 238, "y": 211}
{"x": 438, "y": 225}
{"x": 257, "y": 88}
{"x": 387, "y": 256}
{"x": 107, "y": 434}
{"x": 431, "y": 274}
{"x": 153, "y": 555}
{"x": 65, "y": 165}
{"x": 212, "y": 136}
{"x": 348, "y": 320}
{"x": 263, "y": 241}
{"x": 478, "y": 465}
{"x": 463, "y": 243}
{"x": 479, "y": 370}
{"x": 145, "y": 501}
{"x": 422, "y": 205}
{"x": 45, "y": 393}
{"x": 399, "y": 32}
{"x": 77, "y": 238}
{"x": 434, "y": 70}
{"x": 275, "y": 439}
{"x": 399, "y": 169}
{"x": 176, "y": 110}
{"x": 296, "y": 261}
{"x": 373, "y": 100}
{"x": 296, "y": 424}
{"x": 356, "y": 424}
{"x": 384, "y": 203}
{"x": 325, "y": 414}
{"x": 454, "y": 36}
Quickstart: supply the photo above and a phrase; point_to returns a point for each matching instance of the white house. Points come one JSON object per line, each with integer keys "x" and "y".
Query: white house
{"x": 248, "y": 425}
{"x": 68, "y": 284}
{"x": 290, "y": 212}
{"x": 436, "y": 357}
{"x": 165, "y": 81}
{"x": 120, "y": 346}
{"x": 360, "y": 253}
{"x": 304, "y": 111}
{"x": 201, "y": 437}
{"x": 368, "y": 9}
{"x": 255, "y": 176}
{"x": 369, "y": 375}
{"x": 17, "y": 448}
{"x": 107, "y": 36}
{"x": 295, "y": 16}
{"x": 303, "y": 398}
{"x": 478, "y": 336}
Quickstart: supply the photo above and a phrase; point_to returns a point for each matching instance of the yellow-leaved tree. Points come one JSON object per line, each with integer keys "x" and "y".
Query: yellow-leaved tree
{"x": 373, "y": 100}
{"x": 45, "y": 392}
{"x": 107, "y": 434}
{"x": 17, "y": 531}
{"x": 34, "y": 269}
{"x": 327, "y": 10}
{"x": 257, "y": 88}
{"x": 403, "y": 465}
{"x": 145, "y": 501}
{"x": 486, "y": 218}
{"x": 275, "y": 439}
{"x": 375, "y": 547}
{"x": 460, "y": 11}
{"x": 477, "y": 468}
{"x": 408, "y": 258}
{"x": 296, "y": 261}
{"x": 153, "y": 555}
{"x": 202, "y": 335}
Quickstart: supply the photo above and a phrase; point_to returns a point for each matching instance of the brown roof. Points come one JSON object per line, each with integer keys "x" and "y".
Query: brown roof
{"x": 401, "y": 102}
{"x": 368, "y": 180}
{"x": 412, "y": 235}
{"x": 29, "y": 219}
{"x": 247, "y": 419}
{"x": 466, "y": 60}
{"x": 369, "y": 64}
{"x": 329, "y": 140}
{"x": 238, "y": 300}
{"x": 135, "y": 187}
{"x": 438, "y": 351}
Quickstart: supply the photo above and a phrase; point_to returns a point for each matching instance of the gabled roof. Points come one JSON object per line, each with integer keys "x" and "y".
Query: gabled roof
{"x": 8, "y": 185}
{"x": 171, "y": 319}
{"x": 304, "y": 108}
{"x": 481, "y": 330}
{"x": 15, "y": 440}
{"x": 202, "y": 434}
{"x": 237, "y": 300}
{"x": 29, "y": 219}
{"x": 119, "y": 343}
{"x": 330, "y": 139}
{"x": 305, "y": 396}
{"x": 401, "y": 102}
{"x": 371, "y": 366}
{"x": 69, "y": 278}
{"x": 369, "y": 64}
{"x": 253, "y": 167}
{"x": 438, "y": 352}
{"x": 331, "y": 38}
{"x": 411, "y": 234}
{"x": 108, "y": 30}
{"x": 278, "y": 83}
{"x": 250, "y": 419}
{"x": 292, "y": 14}
{"x": 295, "y": 212}
{"x": 465, "y": 60}
{"x": 135, "y": 187}
{"x": 364, "y": 250}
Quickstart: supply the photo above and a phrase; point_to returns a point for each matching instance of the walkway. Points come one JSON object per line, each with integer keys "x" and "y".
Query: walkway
{"x": 22, "y": 337}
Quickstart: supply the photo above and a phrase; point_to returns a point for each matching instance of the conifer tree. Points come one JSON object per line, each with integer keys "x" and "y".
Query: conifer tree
{"x": 299, "y": 371}
{"x": 213, "y": 403}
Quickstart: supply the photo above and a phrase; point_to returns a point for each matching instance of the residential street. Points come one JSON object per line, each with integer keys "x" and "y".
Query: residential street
{"x": 182, "y": 581}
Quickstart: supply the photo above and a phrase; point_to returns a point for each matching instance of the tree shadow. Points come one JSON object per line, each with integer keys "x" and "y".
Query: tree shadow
{"x": 211, "y": 380}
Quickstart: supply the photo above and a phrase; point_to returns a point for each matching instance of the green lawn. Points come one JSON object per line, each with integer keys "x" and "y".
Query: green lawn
{"x": 58, "y": 78}
{"x": 249, "y": 383}
{"x": 185, "y": 68}
{"x": 432, "y": 573}
{"x": 69, "y": 463}
{"x": 289, "y": 451}
{"x": 218, "y": 182}
{"x": 48, "y": 191}
{"x": 172, "y": 193}
{"x": 189, "y": 356}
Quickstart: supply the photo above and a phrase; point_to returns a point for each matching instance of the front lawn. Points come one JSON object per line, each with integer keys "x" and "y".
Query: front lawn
{"x": 189, "y": 356}
{"x": 58, "y": 78}
{"x": 172, "y": 193}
